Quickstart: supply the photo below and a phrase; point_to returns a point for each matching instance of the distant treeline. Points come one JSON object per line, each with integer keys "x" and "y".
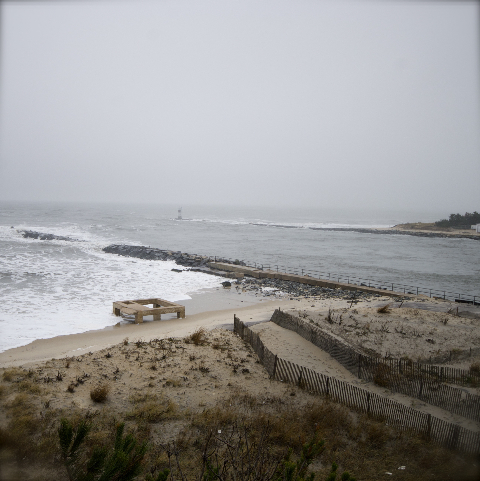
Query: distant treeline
{"x": 458, "y": 220}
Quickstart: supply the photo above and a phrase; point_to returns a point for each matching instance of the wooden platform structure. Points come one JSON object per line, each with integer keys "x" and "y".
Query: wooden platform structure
{"x": 139, "y": 308}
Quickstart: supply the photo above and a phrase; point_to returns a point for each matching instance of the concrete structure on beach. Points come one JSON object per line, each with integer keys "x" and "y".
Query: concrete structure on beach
{"x": 139, "y": 308}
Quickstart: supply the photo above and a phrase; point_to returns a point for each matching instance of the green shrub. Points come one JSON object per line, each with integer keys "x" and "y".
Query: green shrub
{"x": 121, "y": 462}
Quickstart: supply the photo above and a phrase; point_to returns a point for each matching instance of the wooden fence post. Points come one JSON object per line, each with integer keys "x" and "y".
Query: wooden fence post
{"x": 275, "y": 366}
{"x": 453, "y": 441}
{"x": 421, "y": 389}
{"x": 368, "y": 404}
{"x": 328, "y": 386}
{"x": 300, "y": 377}
{"x": 429, "y": 426}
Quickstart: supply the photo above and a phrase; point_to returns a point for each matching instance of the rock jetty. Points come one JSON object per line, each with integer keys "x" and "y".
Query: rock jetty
{"x": 43, "y": 236}
{"x": 152, "y": 253}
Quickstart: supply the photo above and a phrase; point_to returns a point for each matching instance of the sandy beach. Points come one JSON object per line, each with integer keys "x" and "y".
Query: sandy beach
{"x": 425, "y": 228}
{"x": 209, "y": 308}
{"x": 431, "y": 227}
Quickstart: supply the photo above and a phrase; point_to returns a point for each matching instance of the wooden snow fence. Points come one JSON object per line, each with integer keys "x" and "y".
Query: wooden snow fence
{"x": 378, "y": 407}
{"x": 421, "y": 381}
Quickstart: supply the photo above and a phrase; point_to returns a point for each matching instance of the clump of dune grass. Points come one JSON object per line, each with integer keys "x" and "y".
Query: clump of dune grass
{"x": 172, "y": 383}
{"x": 68, "y": 361}
{"x": 3, "y": 391}
{"x": 21, "y": 401}
{"x": 385, "y": 309}
{"x": 151, "y": 408}
{"x": 12, "y": 374}
{"x": 99, "y": 394}
{"x": 218, "y": 345}
{"x": 24, "y": 424}
{"x": 475, "y": 368}
{"x": 29, "y": 387}
{"x": 198, "y": 337}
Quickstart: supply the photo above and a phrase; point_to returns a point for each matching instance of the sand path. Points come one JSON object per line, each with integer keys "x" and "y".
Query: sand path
{"x": 294, "y": 348}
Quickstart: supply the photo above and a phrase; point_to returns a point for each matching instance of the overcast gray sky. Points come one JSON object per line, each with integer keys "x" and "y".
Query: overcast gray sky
{"x": 323, "y": 103}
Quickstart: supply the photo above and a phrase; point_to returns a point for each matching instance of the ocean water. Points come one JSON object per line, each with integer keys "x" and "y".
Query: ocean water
{"x": 49, "y": 288}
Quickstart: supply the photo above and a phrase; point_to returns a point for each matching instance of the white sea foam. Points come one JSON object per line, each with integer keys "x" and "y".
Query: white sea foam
{"x": 50, "y": 288}
{"x": 293, "y": 225}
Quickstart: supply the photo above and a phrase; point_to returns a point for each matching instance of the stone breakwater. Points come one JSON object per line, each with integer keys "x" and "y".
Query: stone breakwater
{"x": 31, "y": 234}
{"x": 154, "y": 254}
{"x": 398, "y": 232}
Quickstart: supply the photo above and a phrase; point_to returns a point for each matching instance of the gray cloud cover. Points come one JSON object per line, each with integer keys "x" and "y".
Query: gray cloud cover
{"x": 327, "y": 103}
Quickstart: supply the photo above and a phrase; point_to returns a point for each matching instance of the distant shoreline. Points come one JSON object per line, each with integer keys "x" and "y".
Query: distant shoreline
{"x": 399, "y": 230}
{"x": 421, "y": 231}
